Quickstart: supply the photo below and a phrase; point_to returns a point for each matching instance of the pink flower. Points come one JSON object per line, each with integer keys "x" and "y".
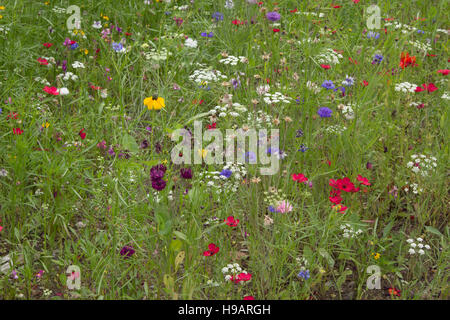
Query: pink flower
{"x": 51, "y": 90}
{"x": 363, "y": 180}
{"x": 430, "y": 87}
{"x": 300, "y": 177}
{"x": 443, "y": 71}
{"x": 241, "y": 277}
{"x": 249, "y": 298}
{"x": 284, "y": 206}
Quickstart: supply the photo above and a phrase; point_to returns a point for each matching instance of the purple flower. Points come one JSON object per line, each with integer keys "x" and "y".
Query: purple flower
{"x": 273, "y": 16}
{"x": 226, "y": 173}
{"x": 157, "y": 172}
{"x": 328, "y": 84}
{"x": 159, "y": 184}
{"x": 218, "y": 16}
{"x": 186, "y": 173}
{"x": 324, "y": 112}
{"x": 304, "y": 274}
{"x": 117, "y": 46}
{"x": 127, "y": 251}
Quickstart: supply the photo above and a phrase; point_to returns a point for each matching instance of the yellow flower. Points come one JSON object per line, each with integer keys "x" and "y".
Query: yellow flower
{"x": 203, "y": 152}
{"x": 1, "y": 16}
{"x": 2, "y": 8}
{"x": 376, "y": 256}
{"x": 105, "y": 17}
{"x": 45, "y": 125}
{"x": 86, "y": 51}
{"x": 154, "y": 102}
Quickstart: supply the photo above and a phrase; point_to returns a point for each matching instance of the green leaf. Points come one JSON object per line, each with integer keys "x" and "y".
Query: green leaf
{"x": 176, "y": 245}
{"x": 387, "y": 229}
{"x": 434, "y": 230}
{"x": 180, "y": 235}
{"x": 327, "y": 256}
{"x": 129, "y": 143}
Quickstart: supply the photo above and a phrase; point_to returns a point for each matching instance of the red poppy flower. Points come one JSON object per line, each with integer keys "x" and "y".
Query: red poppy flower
{"x": 276, "y": 30}
{"x": 245, "y": 298}
{"x": 365, "y": 83}
{"x": 211, "y": 127}
{"x": 128, "y": 34}
{"x": 231, "y": 221}
{"x": 42, "y": 61}
{"x": 51, "y": 90}
{"x": 82, "y": 134}
{"x": 363, "y": 180}
{"x": 12, "y": 115}
{"x": 212, "y": 250}
{"x": 406, "y": 60}
{"x": 443, "y": 71}
{"x": 344, "y": 185}
{"x": 47, "y": 44}
{"x": 340, "y": 208}
{"x": 300, "y": 177}
{"x": 394, "y": 292}
{"x": 17, "y": 131}
{"x": 335, "y": 196}
{"x": 430, "y": 87}
{"x": 353, "y": 61}
{"x": 293, "y": 11}
{"x": 241, "y": 277}
{"x": 325, "y": 66}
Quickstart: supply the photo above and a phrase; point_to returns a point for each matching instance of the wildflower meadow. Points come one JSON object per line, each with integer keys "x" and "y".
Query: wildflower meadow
{"x": 224, "y": 150}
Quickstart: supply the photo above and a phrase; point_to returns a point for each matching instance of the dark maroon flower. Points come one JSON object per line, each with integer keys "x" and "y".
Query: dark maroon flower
{"x": 157, "y": 172}
{"x": 159, "y": 184}
{"x": 158, "y": 147}
{"x": 127, "y": 251}
{"x": 186, "y": 173}
{"x": 144, "y": 144}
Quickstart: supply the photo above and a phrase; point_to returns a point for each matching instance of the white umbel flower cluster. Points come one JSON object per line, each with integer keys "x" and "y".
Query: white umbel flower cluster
{"x": 418, "y": 247}
{"x": 405, "y": 87}
{"x": 206, "y": 76}
{"x": 232, "y": 60}
{"x": 329, "y": 56}
{"x": 422, "y": 164}
{"x": 276, "y": 97}
{"x": 349, "y": 232}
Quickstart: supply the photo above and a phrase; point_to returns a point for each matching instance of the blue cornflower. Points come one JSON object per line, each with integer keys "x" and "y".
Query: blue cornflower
{"x": 304, "y": 274}
{"x": 324, "y": 112}
{"x": 328, "y": 84}
{"x": 218, "y": 16}
{"x": 226, "y": 173}
{"x": 377, "y": 59}
{"x": 250, "y": 157}
{"x": 349, "y": 81}
{"x": 299, "y": 133}
{"x": 299, "y": 101}
{"x": 420, "y": 31}
{"x": 74, "y": 46}
{"x": 342, "y": 90}
{"x": 117, "y": 46}
{"x": 272, "y": 209}
{"x": 209, "y": 35}
{"x": 373, "y": 34}
{"x": 303, "y": 148}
